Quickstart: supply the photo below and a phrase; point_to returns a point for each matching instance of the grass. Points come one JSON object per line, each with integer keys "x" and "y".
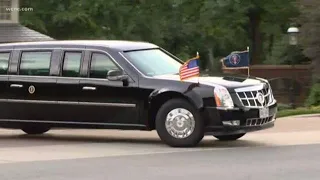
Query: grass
{"x": 298, "y": 111}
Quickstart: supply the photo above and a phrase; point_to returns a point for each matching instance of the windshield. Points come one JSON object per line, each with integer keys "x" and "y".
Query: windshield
{"x": 153, "y": 62}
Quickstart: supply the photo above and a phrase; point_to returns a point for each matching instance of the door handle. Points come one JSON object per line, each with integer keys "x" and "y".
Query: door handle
{"x": 89, "y": 88}
{"x": 16, "y": 85}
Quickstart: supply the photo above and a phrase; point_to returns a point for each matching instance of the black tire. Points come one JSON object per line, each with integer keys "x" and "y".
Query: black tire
{"x": 232, "y": 137}
{"x": 35, "y": 129}
{"x": 193, "y": 139}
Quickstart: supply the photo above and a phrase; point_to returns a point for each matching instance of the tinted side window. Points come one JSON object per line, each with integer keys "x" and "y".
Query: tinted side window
{"x": 35, "y": 63}
{"x": 71, "y": 64}
{"x": 100, "y": 65}
{"x": 4, "y": 61}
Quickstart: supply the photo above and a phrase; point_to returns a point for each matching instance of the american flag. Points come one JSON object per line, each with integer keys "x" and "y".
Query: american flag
{"x": 189, "y": 69}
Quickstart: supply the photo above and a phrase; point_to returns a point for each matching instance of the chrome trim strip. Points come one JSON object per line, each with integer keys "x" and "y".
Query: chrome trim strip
{"x": 251, "y": 88}
{"x": 67, "y": 103}
{"x": 16, "y": 85}
{"x": 70, "y": 122}
{"x": 226, "y": 108}
{"x": 55, "y": 77}
{"x": 89, "y": 88}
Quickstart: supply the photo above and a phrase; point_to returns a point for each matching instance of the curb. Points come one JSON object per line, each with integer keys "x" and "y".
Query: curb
{"x": 302, "y": 115}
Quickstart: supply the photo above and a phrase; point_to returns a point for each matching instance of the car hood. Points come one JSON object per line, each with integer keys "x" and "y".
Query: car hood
{"x": 229, "y": 82}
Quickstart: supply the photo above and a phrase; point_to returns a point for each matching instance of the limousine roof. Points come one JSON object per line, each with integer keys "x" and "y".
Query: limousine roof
{"x": 120, "y": 45}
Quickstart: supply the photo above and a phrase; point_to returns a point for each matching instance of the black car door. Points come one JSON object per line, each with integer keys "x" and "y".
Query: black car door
{"x": 68, "y": 89}
{"x": 4, "y": 64}
{"x": 105, "y": 101}
{"x": 31, "y": 89}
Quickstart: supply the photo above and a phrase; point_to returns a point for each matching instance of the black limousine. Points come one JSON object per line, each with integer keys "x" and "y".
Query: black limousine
{"x": 125, "y": 85}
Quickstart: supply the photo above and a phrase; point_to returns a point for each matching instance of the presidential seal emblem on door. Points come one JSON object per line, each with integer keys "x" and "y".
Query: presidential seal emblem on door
{"x": 31, "y": 89}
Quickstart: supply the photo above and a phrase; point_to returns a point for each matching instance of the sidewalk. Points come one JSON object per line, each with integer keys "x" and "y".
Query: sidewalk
{"x": 296, "y": 123}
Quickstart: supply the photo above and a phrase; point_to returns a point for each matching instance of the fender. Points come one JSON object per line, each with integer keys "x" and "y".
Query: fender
{"x": 189, "y": 93}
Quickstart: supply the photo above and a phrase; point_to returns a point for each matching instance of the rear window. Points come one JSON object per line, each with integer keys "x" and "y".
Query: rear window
{"x": 71, "y": 64}
{"x": 35, "y": 63}
{"x": 4, "y": 62}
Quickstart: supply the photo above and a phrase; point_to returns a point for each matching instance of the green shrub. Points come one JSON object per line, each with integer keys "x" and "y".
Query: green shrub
{"x": 314, "y": 96}
{"x": 299, "y": 111}
{"x": 283, "y": 106}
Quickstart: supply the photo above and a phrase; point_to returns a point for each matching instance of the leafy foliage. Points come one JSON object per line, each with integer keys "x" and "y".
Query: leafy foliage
{"x": 214, "y": 28}
{"x": 314, "y": 96}
{"x": 310, "y": 30}
{"x": 283, "y": 53}
{"x": 299, "y": 111}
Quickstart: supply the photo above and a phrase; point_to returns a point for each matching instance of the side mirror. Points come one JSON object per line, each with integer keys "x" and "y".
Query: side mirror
{"x": 116, "y": 75}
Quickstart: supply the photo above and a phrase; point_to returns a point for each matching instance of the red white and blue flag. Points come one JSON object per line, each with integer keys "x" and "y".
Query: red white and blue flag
{"x": 190, "y": 69}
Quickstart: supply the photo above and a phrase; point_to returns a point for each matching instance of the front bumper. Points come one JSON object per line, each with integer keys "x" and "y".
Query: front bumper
{"x": 249, "y": 120}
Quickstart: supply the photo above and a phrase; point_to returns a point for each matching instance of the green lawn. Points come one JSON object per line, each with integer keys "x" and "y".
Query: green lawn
{"x": 298, "y": 111}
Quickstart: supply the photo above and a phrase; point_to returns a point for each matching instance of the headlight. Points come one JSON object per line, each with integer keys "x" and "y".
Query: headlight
{"x": 223, "y": 97}
{"x": 272, "y": 99}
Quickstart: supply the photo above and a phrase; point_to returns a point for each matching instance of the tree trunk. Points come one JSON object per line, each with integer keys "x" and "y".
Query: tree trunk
{"x": 256, "y": 37}
{"x": 210, "y": 63}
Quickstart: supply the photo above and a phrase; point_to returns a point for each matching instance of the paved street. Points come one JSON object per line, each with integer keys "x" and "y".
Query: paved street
{"x": 288, "y": 151}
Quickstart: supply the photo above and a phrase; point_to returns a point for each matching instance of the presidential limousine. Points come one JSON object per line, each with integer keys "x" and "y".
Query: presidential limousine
{"x": 125, "y": 85}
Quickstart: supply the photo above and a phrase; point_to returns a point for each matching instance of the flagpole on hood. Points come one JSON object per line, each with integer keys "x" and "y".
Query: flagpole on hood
{"x": 248, "y": 49}
{"x": 199, "y": 66}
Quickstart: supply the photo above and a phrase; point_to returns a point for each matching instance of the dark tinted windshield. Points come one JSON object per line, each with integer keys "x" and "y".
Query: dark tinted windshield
{"x": 153, "y": 62}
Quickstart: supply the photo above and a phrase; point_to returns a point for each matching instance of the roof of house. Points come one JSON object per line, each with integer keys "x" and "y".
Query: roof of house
{"x": 121, "y": 45}
{"x": 14, "y": 32}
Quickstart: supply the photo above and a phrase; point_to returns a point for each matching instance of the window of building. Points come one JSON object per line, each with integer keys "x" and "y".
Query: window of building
{"x": 5, "y": 13}
{"x": 71, "y": 64}
{"x": 100, "y": 65}
{"x": 35, "y": 63}
{"x": 4, "y": 62}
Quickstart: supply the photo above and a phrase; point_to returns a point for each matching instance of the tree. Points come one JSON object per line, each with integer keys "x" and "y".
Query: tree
{"x": 61, "y": 19}
{"x": 213, "y": 27}
{"x": 310, "y": 30}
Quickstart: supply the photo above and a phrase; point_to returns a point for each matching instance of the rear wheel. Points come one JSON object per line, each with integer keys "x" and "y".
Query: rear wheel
{"x": 35, "y": 129}
{"x": 178, "y": 124}
{"x": 232, "y": 137}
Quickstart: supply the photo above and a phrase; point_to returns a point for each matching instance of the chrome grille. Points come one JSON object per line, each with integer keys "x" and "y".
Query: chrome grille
{"x": 248, "y": 96}
{"x": 258, "y": 121}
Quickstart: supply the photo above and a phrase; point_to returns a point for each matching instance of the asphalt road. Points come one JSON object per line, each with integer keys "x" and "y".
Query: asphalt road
{"x": 293, "y": 162}
{"x": 288, "y": 151}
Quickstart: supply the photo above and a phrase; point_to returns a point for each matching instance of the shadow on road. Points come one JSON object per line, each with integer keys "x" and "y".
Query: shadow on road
{"x": 23, "y": 140}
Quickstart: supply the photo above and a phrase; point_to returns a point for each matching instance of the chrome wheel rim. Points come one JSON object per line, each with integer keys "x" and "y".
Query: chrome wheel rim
{"x": 180, "y": 123}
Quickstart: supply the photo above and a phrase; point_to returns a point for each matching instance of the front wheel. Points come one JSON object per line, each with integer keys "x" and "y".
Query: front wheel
{"x": 35, "y": 129}
{"x": 178, "y": 124}
{"x": 232, "y": 137}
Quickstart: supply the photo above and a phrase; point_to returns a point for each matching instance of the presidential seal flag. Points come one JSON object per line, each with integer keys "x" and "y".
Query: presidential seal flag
{"x": 190, "y": 68}
{"x": 237, "y": 60}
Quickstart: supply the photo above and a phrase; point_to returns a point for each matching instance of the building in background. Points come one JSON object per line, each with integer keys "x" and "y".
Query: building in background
{"x": 10, "y": 28}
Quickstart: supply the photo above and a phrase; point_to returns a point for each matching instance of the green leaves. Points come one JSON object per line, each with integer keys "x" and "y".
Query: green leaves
{"x": 310, "y": 30}
{"x": 213, "y": 27}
